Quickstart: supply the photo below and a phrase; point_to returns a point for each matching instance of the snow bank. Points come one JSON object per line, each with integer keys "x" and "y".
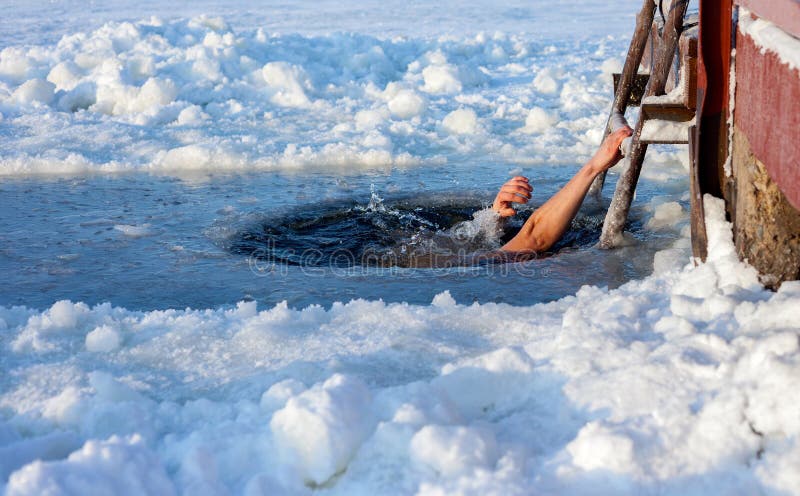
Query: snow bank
{"x": 116, "y": 466}
{"x": 320, "y": 429}
{"x": 684, "y": 382}
{"x": 171, "y": 96}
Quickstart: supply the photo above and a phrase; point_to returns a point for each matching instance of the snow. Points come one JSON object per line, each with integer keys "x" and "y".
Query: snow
{"x": 320, "y": 430}
{"x": 203, "y": 94}
{"x": 115, "y": 466}
{"x": 686, "y": 383}
{"x": 405, "y": 104}
{"x": 769, "y": 37}
{"x": 103, "y": 339}
{"x": 682, "y": 382}
{"x": 461, "y": 121}
{"x": 544, "y": 82}
{"x": 538, "y": 121}
{"x": 661, "y": 130}
{"x": 727, "y": 166}
{"x": 674, "y": 96}
{"x": 667, "y": 214}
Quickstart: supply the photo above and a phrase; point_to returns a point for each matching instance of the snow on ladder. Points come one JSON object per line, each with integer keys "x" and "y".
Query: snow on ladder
{"x": 662, "y": 118}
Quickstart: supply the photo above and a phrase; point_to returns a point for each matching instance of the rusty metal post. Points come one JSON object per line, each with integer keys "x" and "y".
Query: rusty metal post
{"x": 644, "y": 21}
{"x": 626, "y": 184}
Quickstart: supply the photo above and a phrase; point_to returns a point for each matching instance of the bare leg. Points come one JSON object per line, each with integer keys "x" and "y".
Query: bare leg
{"x": 549, "y": 222}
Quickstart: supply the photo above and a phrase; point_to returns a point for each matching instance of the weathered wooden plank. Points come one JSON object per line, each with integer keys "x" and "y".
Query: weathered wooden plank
{"x": 626, "y": 184}
{"x": 688, "y": 52}
{"x": 644, "y": 19}
{"x": 666, "y": 111}
{"x": 697, "y": 219}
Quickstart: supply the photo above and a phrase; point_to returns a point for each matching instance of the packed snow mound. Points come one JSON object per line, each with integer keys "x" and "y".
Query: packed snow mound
{"x": 684, "y": 382}
{"x": 171, "y": 96}
{"x": 321, "y": 429}
{"x": 115, "y": 466}
{"x": 461, "y": 121}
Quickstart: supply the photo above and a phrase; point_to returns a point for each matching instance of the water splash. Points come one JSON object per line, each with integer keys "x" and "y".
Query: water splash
{"x": 419, "y": 232}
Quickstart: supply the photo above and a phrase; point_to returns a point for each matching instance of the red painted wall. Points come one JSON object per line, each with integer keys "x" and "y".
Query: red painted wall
{"x": 784, "y": 13}
{"x": 768, "y": 112}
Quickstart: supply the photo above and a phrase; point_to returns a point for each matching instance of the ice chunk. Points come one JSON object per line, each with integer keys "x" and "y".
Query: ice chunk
{"x": 406, "y": 104}
{"x": 66, "y": 408}
{"x": 35, "y": 90}
{"x": 599, "y": 447}
{"x": 16, "y": 66}
{"x": 666, "y": 215}
{"x": 191, "y": 116}
{"x": 134, "y": 231}
{"x": 544, "y": 83}
{"x": 82, "y": 96}
{"x": 454, "y": 450}
{"x": 488, "y": 382}
{"x": 538, "y": 121}
{"x": 320, "y": 430}
{"x": 609, "y": 67}
{"x": 65, "y": 75}
{"x": 461, "y": 121}
{"x": 368, "y": 119}
{"x": 441, "y": 79}
{"x": 279, "y": 393}
{"x": 103, "y": 339}
{"x": 120, "y": 466}
{"x": 288, "y": 83}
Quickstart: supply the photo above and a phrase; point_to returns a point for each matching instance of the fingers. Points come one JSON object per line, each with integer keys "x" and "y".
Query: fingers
{"x": 520, "y": 190}
{"x": 515, "y": 190}
{"x": 520, "y": 181}
{"x": 505, "y": 196}
{"x": 620, "y": 134}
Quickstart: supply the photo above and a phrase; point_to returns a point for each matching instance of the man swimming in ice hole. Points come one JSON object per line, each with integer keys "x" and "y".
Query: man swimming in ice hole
{"x": 549, "y": 222}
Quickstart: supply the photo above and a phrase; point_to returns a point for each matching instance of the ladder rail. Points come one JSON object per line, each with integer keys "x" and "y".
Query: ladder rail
{"x": 626, "y": 184}
{"x": 644, "y": 22}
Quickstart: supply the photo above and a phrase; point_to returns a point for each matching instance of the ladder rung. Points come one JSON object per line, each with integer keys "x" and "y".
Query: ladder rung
{"x": 668, "y": 111}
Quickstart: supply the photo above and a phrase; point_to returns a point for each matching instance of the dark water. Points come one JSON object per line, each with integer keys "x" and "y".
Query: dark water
{"x": 418, "y": 232}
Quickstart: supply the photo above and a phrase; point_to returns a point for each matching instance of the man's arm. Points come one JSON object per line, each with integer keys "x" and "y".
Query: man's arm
{"x": 549, "y": 222}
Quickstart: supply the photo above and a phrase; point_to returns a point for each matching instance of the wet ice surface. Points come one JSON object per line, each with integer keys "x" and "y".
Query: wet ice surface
{"x": 146, "y": 242}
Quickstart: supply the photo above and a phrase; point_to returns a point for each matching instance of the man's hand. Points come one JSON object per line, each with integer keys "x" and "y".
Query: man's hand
{"x": 516, "y": 190}
{"x": 609, "y": 153}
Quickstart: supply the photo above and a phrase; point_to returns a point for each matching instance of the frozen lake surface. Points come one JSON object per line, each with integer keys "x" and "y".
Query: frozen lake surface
{"x": 167, "y": 172}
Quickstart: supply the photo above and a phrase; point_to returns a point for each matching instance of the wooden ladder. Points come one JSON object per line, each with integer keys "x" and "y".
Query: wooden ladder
{"x": 662, "y": 118}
